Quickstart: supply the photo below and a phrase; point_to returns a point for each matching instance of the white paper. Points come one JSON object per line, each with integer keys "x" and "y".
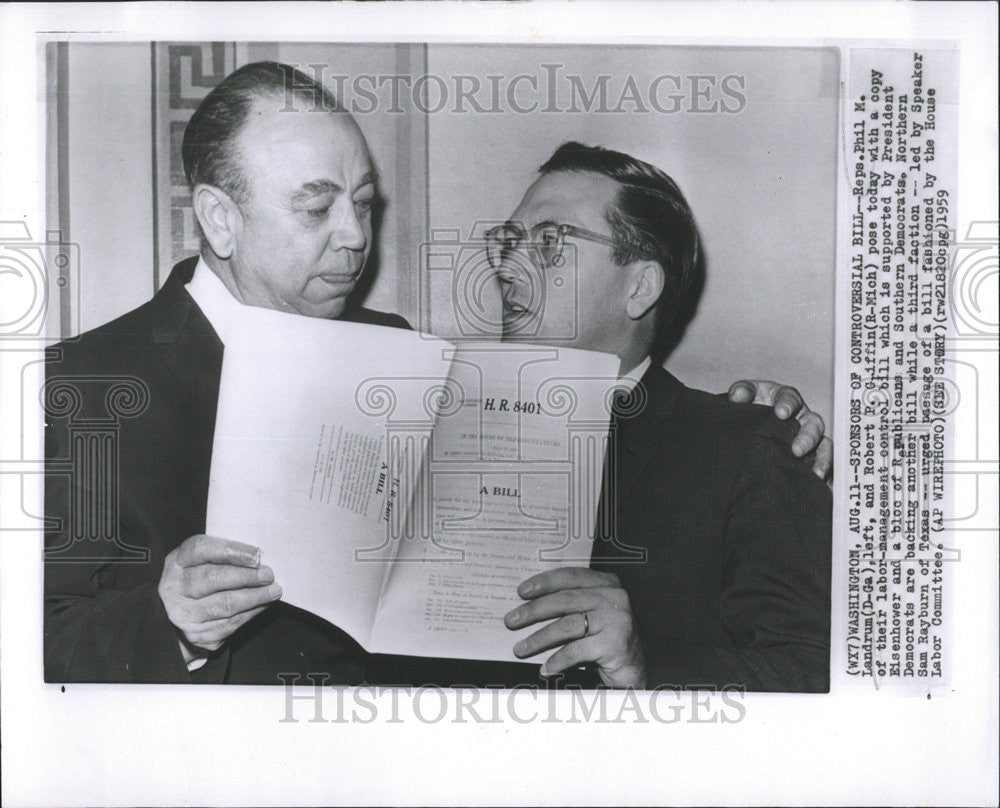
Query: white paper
{"x": 400, "y": 487}
{"x": 511, "y": 494}
{"x": 299, "y": 447}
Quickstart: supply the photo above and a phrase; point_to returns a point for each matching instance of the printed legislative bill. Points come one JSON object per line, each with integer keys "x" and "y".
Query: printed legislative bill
{"x": 402, "y": 487}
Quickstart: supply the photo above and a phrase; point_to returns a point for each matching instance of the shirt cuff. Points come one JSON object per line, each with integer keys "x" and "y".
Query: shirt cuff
{"x": 192, "y": 660}
{"x": 196, "y": 663}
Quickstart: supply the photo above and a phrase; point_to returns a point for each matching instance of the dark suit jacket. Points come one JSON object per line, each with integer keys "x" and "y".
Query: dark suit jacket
{"x": 104, "y": 620}
{"x": 721, "y": 537}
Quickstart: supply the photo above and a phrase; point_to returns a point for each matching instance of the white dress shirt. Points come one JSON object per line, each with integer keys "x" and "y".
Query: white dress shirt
{"x": 224, "y": 313}
{"x": 631, "y": 379}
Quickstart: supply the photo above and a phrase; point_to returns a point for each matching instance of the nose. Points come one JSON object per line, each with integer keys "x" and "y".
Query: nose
{"x": 513, "y": 270}
{"x": 515, "y": 285}
{"x": 348, "y": 231}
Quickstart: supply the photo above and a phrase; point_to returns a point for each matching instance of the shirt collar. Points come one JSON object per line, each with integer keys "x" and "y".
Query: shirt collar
{"x": 631, "y": 379}
{"x": 221, "y": 309}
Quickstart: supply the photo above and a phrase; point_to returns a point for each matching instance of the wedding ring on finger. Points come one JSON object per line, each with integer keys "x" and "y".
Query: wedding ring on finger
{"x": 586, "y": 624}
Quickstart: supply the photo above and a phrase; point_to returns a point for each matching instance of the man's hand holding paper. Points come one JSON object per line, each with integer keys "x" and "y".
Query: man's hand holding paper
{"x": 591, "y": 622}
{"x": 211, "y": 586}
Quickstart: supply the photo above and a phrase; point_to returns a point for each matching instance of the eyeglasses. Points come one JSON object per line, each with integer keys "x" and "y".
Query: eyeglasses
{"x": 544, "y": 243}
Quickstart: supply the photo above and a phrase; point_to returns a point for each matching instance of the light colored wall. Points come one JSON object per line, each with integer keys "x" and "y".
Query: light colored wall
{"x": 110, "y": 178}
{"x": 761, "y": 183}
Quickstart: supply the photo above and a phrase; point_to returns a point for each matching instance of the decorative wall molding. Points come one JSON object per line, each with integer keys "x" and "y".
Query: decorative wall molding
{"x": 182, "y": 75}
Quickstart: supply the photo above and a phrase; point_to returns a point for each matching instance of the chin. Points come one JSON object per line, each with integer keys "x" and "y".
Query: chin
{"x": 520, "y": 328}
{"x": 325, "y": 310}
{"x": 334, "y": 310}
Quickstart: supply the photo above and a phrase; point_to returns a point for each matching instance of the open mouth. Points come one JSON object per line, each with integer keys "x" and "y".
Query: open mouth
{"x": 517, "y": 316}
{"x": 518, "y": 319}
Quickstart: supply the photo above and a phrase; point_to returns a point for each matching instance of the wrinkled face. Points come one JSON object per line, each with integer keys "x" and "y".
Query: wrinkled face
{"x": 585, "y": 310}
{"x": 305, "y": 232}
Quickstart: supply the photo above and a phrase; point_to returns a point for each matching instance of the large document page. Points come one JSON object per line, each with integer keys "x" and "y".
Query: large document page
{"x": 401, "y": 487}
{"x": 299, "y": 460}
{"x": 510, "y": 488}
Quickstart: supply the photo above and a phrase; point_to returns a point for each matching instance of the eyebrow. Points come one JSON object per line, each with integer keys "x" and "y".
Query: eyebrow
{"x": 545, "y": 223}
{"x": 370, "y": 177}
{"x": 517, "y": 224}
{"x": 317, "y": 187}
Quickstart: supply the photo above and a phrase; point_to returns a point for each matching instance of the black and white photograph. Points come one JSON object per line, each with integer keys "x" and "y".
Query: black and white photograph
{"x": 717, "y": 565}
{"x": 387, "y": 397}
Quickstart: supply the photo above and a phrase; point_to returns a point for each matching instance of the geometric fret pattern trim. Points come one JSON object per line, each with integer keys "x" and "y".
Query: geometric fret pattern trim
{"x": 183, "y": 74}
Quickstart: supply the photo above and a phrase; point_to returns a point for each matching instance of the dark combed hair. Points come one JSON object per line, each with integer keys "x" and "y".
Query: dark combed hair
{"x": 649, "y": 219}
{"x": 209, "y": 146}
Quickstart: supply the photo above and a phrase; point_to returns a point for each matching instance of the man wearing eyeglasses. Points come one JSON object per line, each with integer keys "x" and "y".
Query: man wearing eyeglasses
{"x": 283, "y": 198}
{"x": 716, "y": 567}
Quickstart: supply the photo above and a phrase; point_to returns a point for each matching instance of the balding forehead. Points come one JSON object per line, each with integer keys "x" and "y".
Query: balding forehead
{"x": 269, "y": 101}
{"x": 297, "y": 98}
{"x": 271, "y": 121}
{"x": 288, "y": 154}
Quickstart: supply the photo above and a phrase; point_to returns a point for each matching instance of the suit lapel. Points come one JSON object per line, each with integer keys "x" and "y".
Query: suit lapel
{"x": 637, "y": 428}
{"x": 185, "y": 341}
{"x": 640, "y": 427}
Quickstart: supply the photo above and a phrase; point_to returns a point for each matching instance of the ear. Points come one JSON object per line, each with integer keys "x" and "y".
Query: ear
{"x": 645, "y": 288}
{"x": 219, "y": 217}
